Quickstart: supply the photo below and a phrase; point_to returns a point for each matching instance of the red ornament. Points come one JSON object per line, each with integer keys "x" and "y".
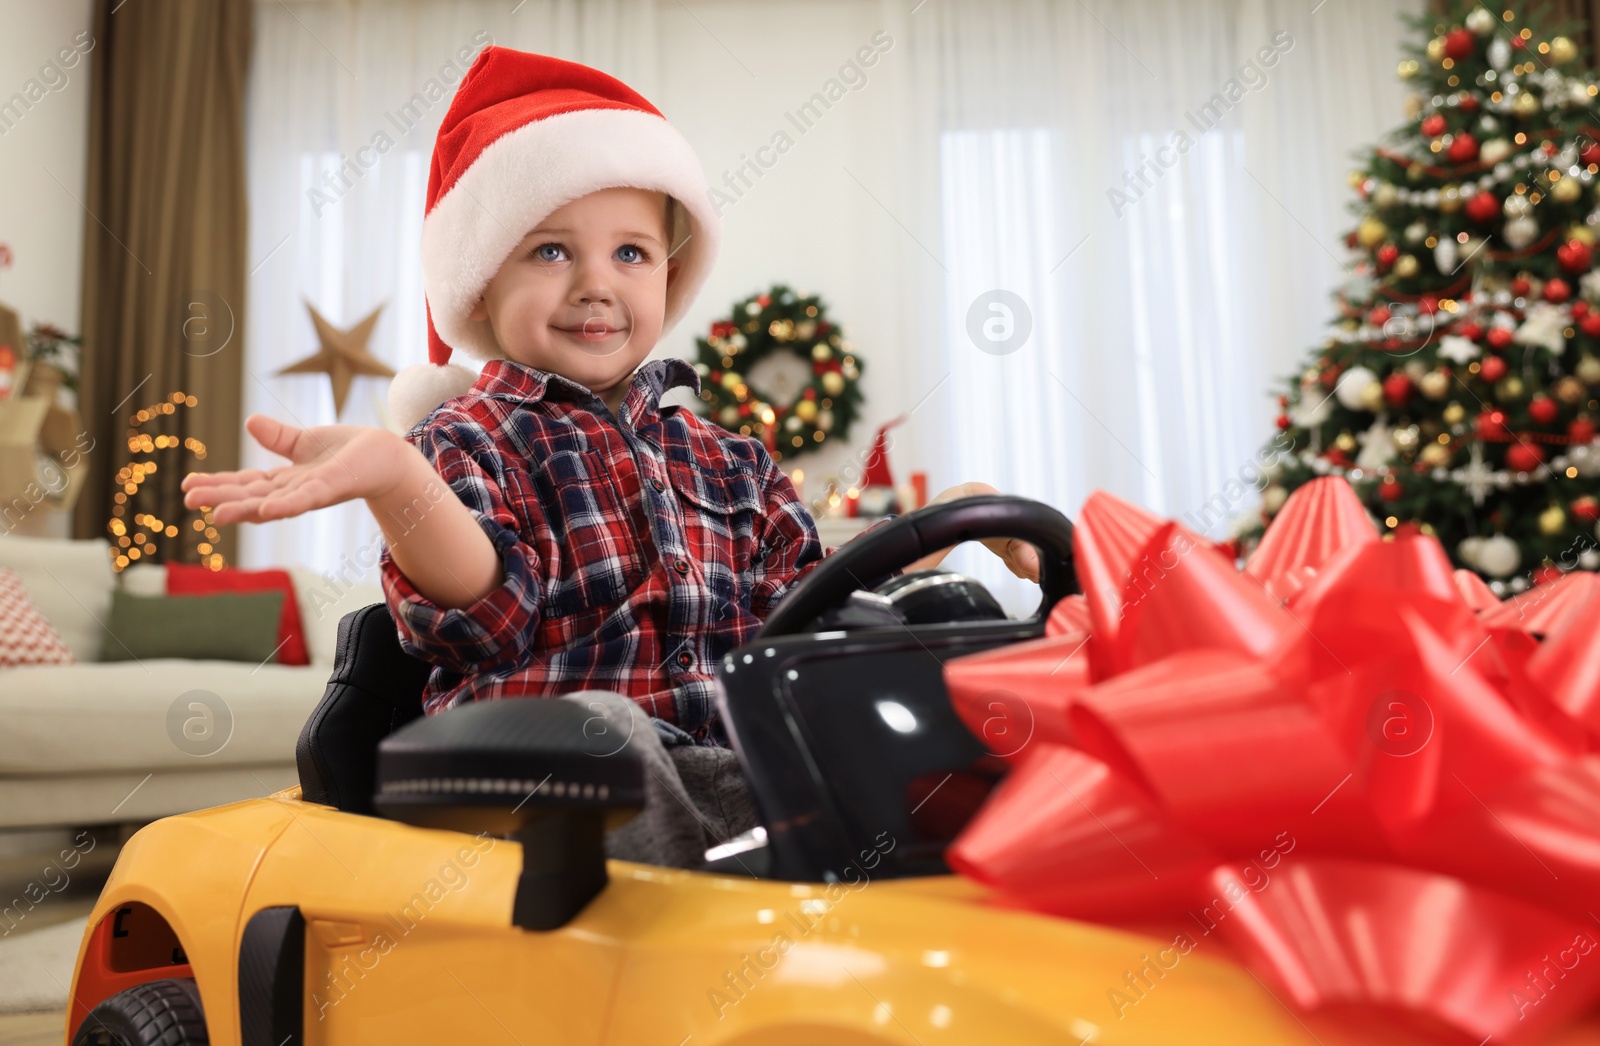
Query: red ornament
{"x": 1463, "y": 149}
{"x": 1520, "y": 286}
{"x": 1397, "y": 389}
{"x": 1581, "y": 430}
{"x": 1387, "y": 255}
{"x": 1492, "y": 369}
{"x": 1580, "y": 309}
{"x": 1590, "y": 154}
{"x": 810, "y": 393}
{"x": 1335, "y": 456}
{"x": 1470, "y": 330}
{"x": 1499, "y": 337}
{"x": 1491, "y": 424}
{"x": 1428, "y": 303}
{"x": 1283, "y": 421}
{"x": 1590, "y": 324}
{"x": 763, "y": 300}
{"x": 1524, "y": 456}
{"x": 1575, "y": 256}
{"x": 1585, "y": 508}
{"x": 1391, "y": 490}
{"x": 1433, "y": 125}
{"x": 1518, "y": 43}
{"x": 1543, "y": 410}
{"x": 1379, "y": 316}
{"x": 1468, "y": 104}
{"x": 1483, "y": 208}
{"x": 1557, "y": 290}
{"x": 1459, "y": 43}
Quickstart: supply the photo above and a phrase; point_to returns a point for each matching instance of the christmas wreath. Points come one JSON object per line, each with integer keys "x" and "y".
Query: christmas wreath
{"x": 778, "y": 369}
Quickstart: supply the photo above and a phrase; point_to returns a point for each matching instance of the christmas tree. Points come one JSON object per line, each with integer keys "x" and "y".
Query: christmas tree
{"x": 1458, "y": 389}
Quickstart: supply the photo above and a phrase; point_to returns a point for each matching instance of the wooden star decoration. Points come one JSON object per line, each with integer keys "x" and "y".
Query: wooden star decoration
{"x": 343, "y": 354}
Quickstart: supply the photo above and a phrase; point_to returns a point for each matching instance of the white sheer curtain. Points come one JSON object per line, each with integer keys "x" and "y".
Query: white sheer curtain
{"x": 1161, "y": 318}
{"x": 337, "y": 82}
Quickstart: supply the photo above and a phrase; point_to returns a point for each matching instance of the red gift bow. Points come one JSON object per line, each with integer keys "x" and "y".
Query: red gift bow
{"x": 1429, "y": 763}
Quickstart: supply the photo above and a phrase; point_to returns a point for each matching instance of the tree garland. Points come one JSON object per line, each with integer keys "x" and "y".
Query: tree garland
{"x": 759, "y": 328}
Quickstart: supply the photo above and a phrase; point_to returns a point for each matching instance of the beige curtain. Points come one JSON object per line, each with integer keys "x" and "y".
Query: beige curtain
{"x": 164, "y": 264}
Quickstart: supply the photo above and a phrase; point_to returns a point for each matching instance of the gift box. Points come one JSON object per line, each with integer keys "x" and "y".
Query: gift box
{"x": 1374, "y": 787}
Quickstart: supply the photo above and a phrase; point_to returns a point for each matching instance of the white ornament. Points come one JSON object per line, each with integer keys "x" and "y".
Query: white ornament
{"x": 1417, "y": 230}
{"x": 1477, "y": 478}
{"x": 1385, "y": 195}
{"x": 1543, "y": 326}
{"x": 1518, "y": 584}
{"x": 1589, "y": 284}
{"x": 1499, "y": 556}
{"x": 1445, "y": 255}
{"x": 1480, "y": 21}
{"x": 1499, "y": 53}
{"x": 1517, "y": 206}
{"x": 1377, "y": 446}
{"x": 1589, "y": 559}
{"x": 1495, "y": 149}
{"x": 1468, "y": 550}
{"x": 1272, "y": 499}
{"x": 1458, "y": 350}
{"x": 1520, "y": 232}
{"x": 1313, "y": 409}
{"x": 1353, "y": 385}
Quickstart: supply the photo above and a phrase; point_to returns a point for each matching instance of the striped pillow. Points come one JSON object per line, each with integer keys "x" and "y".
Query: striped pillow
{"x": 26, "y": 638}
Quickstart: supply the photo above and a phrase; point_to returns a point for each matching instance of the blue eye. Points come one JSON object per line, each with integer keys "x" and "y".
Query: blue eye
{"x": 638, "y": 251}
{"x": 540, "y": 255}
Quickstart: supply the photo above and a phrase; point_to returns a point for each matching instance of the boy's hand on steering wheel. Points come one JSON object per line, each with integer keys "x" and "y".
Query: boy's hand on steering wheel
{"x": 329, "y": 464}
{"x": 1021, "y": 558}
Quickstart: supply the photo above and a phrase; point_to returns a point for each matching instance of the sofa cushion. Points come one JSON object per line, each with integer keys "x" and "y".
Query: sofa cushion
{"x": 161, "y": 714}
{"x": 224, "y": 626}
{"x": 323, "y": 601}
{"x": 70, "y": 582}
{"x": 143, "y": 579}
{"x": 194, "y": 579}
{"x": 26, "y": 638}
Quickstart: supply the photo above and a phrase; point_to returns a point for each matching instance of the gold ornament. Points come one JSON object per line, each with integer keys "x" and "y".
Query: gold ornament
{"x": 820, "y": 351}
{"x": 1405, "y": 266}
{"x": 1372, "y": 396}
{"x": 1408, "y": 69}
{"x": 806, "y": 410}
{"x": 1450, "y": 199}
{"x": 341, "y": 355}
{"x": 1510, "y": 389}
{"x": 1405, "y": 438}
{"x": 1454, "y": 414}
{"x": 1588, "y": 369}
{"x": 833, "y": 382}
{"x": 1526, "y": 105}
{"x": 1355, "y": 178}
{"x": 1570, "y": 390}
{"x": 1346, "y": 442}
{"x": 1582, "y": 233}
{"x": 1371, "y": 232}
{"x": 731, "y": 379}
{"x": 1436, "y": 455}
{"x": 1562, "y": 50}
{"x": 1435, "y": 384}
{"x": 1552, "y": 520}
{"x": 1567, "y": 190}
{"x": 1436, "y": 50}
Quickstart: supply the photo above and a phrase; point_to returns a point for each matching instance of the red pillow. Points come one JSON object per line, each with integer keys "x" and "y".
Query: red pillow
{"x": 192, "y": 579}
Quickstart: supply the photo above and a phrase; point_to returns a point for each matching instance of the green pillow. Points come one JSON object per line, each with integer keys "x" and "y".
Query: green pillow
{"x": 225, "y": 626}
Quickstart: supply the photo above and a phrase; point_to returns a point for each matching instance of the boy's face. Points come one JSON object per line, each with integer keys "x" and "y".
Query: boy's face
{"x": 584, "y": 293}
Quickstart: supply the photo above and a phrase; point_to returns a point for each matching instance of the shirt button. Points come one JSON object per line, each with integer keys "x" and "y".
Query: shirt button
{"x": 686, "y": 659}
{"x": 681, "y": 566}
{"x": 658, "y": 484}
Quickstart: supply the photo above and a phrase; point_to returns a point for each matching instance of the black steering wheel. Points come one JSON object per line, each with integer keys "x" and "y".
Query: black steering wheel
{"x": 908, "y": 538}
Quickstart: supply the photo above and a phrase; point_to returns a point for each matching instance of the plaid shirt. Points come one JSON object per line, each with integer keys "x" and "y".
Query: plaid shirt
{"x": 638, "y": 549}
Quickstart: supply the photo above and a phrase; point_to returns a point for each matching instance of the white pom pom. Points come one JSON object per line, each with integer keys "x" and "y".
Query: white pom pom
{"x": 418, "y": 389}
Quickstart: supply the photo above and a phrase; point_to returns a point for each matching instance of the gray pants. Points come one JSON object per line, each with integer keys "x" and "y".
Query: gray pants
{"x": 695, "y": 796}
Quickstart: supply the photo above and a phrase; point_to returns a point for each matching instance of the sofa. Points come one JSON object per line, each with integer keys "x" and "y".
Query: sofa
{"x": 109, "y": 742}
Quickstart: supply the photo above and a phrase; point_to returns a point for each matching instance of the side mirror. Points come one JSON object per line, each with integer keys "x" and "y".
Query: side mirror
{"x": 544, "y": 771}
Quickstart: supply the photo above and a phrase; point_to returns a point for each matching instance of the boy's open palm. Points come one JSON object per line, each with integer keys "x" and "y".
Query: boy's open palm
{"x": 330, "y": 464}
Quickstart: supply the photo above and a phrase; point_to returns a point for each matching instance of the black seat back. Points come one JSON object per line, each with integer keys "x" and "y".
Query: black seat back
{"x": 375, "y": 689}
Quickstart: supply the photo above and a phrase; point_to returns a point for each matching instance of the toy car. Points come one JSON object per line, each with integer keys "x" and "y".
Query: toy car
{"x": 443, "y": 878}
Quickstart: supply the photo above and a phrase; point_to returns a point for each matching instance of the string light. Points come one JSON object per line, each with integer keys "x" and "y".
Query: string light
{"x": 148, "y": 528}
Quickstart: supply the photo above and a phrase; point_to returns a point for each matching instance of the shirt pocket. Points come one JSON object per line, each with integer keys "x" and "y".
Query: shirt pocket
{"x": 722, "y": 508}
{"x": 589, "y": 522}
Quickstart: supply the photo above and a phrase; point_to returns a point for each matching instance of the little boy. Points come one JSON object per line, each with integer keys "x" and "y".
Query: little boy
{"x": 550, "y": 528}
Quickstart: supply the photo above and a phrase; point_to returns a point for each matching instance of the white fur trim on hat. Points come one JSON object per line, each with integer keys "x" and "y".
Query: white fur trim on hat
{"x": 419, "y": 388}
{"x": 521, "y": 177}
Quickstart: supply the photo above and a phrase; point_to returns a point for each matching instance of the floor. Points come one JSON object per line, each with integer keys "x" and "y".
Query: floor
{"x": 74, "y": 901}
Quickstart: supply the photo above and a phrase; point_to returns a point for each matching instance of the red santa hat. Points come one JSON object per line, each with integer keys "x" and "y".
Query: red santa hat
{"x": 526, "y": 134}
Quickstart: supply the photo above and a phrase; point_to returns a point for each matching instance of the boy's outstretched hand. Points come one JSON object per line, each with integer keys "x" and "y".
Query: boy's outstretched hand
{"x": 330, "y": 464}
{"x": 1021, "y": 558}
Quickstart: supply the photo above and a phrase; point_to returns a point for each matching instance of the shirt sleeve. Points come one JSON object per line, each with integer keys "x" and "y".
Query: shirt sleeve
{"x": 499, "y": 628}
{"x": 790, "y": 547}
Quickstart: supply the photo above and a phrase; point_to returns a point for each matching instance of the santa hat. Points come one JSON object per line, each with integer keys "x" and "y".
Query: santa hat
{"x": 526, "y": 134}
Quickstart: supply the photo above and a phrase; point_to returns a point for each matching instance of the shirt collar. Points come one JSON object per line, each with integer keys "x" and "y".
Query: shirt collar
{"x": 507, "y": 379}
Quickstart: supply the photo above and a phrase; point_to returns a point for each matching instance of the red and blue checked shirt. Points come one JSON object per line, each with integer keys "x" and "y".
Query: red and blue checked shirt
{"x": 638, "y": 549}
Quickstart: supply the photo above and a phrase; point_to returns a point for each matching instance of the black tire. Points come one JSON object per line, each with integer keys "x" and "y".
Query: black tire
{"x": 156, "y": 1013}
